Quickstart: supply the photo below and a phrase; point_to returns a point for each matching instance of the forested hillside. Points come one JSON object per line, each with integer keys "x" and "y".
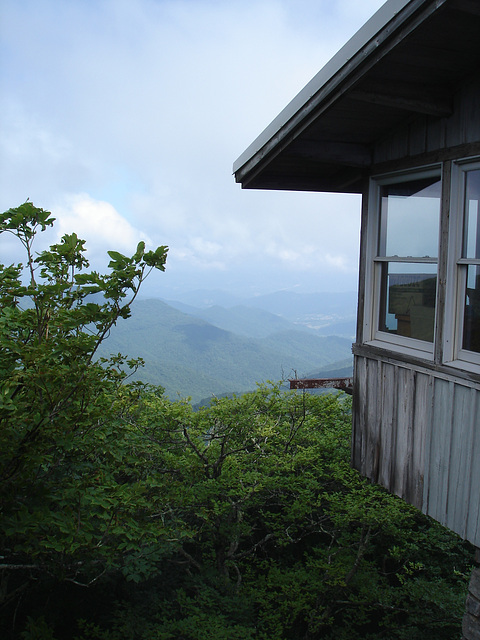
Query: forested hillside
{"x": 191, "y": 357}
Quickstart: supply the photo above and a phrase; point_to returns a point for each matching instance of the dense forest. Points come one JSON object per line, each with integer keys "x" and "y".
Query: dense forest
{"x": 126, "y": 515}
{"x": 190, "y": 357}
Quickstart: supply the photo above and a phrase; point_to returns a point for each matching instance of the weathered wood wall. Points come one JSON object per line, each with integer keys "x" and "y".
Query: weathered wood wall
{"x": 417, "y": 433}
{"x": 422, "y": 134}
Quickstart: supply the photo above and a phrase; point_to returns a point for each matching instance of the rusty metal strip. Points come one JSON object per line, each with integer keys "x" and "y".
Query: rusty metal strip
{"x": 343, "y": 384}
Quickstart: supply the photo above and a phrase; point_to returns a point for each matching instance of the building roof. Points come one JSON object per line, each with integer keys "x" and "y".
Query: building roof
{"x": 408, "y": 59}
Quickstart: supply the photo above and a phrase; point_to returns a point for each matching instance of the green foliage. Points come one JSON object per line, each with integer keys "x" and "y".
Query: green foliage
{"x": 126, "y": 516}
{"x": 37, "y": 629}
{"x": 281, "y": 538}
{"x": 65, "y": 508}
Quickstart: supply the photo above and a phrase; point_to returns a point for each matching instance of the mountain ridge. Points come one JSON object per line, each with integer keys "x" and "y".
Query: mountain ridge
{"x": 189, "y": 356}
{"x": 324, "y": 313}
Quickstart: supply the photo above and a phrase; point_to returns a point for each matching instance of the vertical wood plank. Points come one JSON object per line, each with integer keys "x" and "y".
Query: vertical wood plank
{"x": 458, "y": 493}
{"x": 421, "y": 134}
{"x": 404, "y": 428}
{"x": 456, "y": 124}
{"x": 360, "y": 426}
{"x": 374, "y": 445}
{"x": 440, "y": 443}
{"x": 387, "y": 411}
{"x": 473, "y": 513}
{"x": 422, "y": 420}
{"x": 436, "y": 134}
{"x": 472, "y": 102}
{"x": 417, "y": 136}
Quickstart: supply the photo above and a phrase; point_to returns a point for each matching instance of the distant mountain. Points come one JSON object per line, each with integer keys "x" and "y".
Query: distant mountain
{"x": 299, "y": 344}
{"x": 341, "y": 369}
{"x": 332, "y": 327}
{"x": 288, "y": 304}
{"x": 325, "y": 313}
{"x": 191, "y": 357}
{"x": 296, "y": 306}
{"x": 245, "y": 321}
{"x": 203, "y": 298}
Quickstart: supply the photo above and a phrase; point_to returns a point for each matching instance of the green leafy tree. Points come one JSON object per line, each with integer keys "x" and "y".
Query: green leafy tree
{"x": 282, "y": 539}
{"x": 65, "y": 448}
{"x": 125, "y": 516}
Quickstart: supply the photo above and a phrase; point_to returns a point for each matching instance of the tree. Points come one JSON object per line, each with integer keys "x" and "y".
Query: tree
{"x": 64, "y": 445}
{"x": 126, "y": 516}
{"x": 281, "y": 538}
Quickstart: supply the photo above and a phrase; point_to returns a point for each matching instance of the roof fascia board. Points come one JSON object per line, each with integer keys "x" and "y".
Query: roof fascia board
{"x": 390, "y": 17}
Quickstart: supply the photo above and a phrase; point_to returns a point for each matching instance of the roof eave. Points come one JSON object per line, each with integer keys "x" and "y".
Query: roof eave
{"x": 326, "y": 85}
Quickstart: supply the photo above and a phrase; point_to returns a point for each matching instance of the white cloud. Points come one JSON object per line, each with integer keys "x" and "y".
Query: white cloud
{"x": 99, "y": 224}
{"x": 145, "y": 104}
{"x": 205, "y": 247}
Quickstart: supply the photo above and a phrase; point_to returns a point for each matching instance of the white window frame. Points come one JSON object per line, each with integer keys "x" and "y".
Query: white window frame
{"x": 373, "y": 336}
{"x": 454, "y": 354}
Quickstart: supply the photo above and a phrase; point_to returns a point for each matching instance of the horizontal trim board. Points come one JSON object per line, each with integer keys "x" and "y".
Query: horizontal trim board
{"x": 420, "y": 365}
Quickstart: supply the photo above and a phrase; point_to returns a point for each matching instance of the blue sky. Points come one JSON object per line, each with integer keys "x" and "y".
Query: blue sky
{"x": 124, "y": 117}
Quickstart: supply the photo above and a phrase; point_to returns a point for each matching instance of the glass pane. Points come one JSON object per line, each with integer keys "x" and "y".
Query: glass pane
{"x": 471, "y": 318}
{"x": 471, "y": 243}
{"x": 407, "y": 300}
{"x": 410, "y": 214}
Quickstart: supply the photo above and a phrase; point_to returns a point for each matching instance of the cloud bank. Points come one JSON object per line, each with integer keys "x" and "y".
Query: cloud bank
{"x": 124, "y": 117}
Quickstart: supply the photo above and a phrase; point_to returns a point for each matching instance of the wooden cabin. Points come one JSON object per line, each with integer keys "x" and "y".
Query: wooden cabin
{"x": 395, "y": 117}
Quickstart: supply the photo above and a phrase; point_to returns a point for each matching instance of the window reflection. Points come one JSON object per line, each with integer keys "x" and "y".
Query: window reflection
{"x": 407, "y": 303}
{"x": 471, "y": 241}
{"x": 471, "y": 250}
{"x": 407, "y": 256}
{"x": 410, "y": 213}
{"x": 471, "y": 318}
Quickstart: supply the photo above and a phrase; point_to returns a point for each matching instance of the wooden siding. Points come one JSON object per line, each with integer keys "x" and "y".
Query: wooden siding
{"x": 421, "y": 135}
{"x": 418, "y": 434}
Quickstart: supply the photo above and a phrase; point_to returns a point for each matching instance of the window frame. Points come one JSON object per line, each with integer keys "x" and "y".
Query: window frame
{"x": 454, "y": 353}
{"x": 373, "y": 336}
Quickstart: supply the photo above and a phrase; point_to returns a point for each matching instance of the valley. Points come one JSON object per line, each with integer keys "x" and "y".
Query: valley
{"x": 196, "y": 349}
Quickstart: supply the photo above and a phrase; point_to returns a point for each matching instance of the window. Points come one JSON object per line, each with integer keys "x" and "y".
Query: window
{"x": 405, "y": 243}
{"x": 466, "y": 323}
{"x": 402, "y": 272}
